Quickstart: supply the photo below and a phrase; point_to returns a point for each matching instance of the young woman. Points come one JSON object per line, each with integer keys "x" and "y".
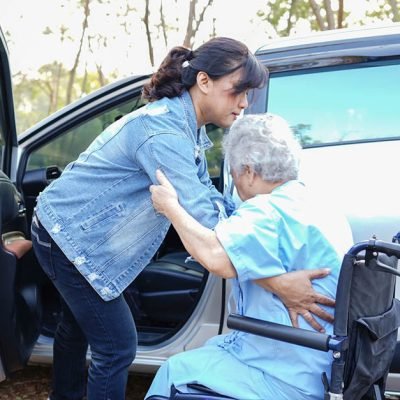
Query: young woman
{"x": 95, "y": 228}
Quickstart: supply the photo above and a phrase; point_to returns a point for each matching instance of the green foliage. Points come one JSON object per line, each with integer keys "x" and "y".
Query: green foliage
{"x": 385, "y": 10}
{"x": 36, "y": 98}
{"x": 67, "y": 147}
{"x": 299, "y": 132}
{"x": 214, "y": 154}
{"x": 284, "y": 14}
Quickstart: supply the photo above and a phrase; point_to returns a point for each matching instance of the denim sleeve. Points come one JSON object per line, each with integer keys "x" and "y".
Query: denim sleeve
{"x": 174, "y": 155}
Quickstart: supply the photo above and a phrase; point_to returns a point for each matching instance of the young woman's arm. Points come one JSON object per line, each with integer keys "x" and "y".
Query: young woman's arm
{"x": 199, "y": 241}
{"x": 294, "y": 288}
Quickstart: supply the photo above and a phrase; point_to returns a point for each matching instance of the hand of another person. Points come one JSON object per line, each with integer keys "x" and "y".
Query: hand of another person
{"x": 297, "y": 294}
{"x": 164, "y": 195}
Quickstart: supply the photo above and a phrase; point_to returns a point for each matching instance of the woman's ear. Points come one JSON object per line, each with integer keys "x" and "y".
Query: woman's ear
{"x": 203, "y": 82}
{"x": 250, "y": 174}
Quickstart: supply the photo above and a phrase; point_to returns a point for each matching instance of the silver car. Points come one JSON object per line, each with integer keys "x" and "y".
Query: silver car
{"x": 339, "y": 90}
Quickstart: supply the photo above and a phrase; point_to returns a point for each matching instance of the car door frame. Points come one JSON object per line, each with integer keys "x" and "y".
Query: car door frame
{"x": 20, "y": 307}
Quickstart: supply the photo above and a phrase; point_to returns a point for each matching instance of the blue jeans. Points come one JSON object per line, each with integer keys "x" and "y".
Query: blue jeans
{"x": 106, "y": 326}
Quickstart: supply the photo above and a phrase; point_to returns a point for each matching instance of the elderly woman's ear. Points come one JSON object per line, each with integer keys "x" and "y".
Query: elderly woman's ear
{"x": 250, "y": 173}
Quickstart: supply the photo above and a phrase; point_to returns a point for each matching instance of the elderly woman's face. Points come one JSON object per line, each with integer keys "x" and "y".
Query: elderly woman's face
{"x": 241, "y": 181}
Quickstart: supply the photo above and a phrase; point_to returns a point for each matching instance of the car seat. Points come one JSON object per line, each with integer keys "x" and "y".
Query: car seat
{"x": 19, "y": 319}
{"x": 367, "y": 317}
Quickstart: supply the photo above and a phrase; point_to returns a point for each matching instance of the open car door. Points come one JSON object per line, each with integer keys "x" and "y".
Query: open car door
{"x": 19, "y": 291}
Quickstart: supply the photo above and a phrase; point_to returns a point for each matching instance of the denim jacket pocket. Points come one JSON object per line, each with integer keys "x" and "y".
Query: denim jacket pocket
{"x": 103, "y": 216}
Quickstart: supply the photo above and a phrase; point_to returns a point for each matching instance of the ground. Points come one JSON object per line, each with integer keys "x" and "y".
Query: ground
{"x": 33, "y": 384}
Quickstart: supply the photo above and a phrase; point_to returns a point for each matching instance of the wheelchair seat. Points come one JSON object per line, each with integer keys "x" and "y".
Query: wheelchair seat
{"x": 367, "y": 317}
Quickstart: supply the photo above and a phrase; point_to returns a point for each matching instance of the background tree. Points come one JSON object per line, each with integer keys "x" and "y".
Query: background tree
{"x": 194, "y": 20}
{"x": 106, "y": 26}
{"x": 321, "y": 15}
{"x": 86, "y": 12}
{"x": 52, "y": 74}
{"x": 148, "y": 32}
{"x": 385, "y": 9}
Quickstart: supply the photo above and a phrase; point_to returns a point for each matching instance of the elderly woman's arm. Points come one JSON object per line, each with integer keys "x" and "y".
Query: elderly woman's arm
{"x": 294, "y": 288}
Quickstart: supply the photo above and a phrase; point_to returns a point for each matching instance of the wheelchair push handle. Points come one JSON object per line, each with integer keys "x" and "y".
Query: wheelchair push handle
{"x": 391, "y": 249}
{"x": 284, "y": 333}
{"x": 379, "y": 246}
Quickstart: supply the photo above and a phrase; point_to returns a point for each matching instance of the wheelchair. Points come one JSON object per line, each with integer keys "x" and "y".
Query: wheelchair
{"x": 367, "y": 317}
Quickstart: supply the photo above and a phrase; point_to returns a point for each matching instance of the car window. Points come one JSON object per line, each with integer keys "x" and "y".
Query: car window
{"x": 214, "y": 154}
{"x": 339, "y": 105}
{"x": 66, "y": 148}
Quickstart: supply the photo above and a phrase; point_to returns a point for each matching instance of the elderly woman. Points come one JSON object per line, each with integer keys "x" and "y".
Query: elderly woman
{"x": 278, "y": 228}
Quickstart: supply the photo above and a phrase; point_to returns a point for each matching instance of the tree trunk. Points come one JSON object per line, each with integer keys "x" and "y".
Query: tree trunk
{"x": 84, "y": 80}
{"x": 72, "y": 72}
{"x": 317, "y": 12}
{"x": 56, "y": 86}
{"x": 148, "y": 33}
{"x": 193, "y": 23}
{"x": 190, "y": 29}
{"x": 329, "y": 14}
{"x": 163, "y": 24}
{"x": 340, "y": 14}
{"x": 289, "y": 25}
{"x": 100, "y": 75}
{"x": 395, "y": 10}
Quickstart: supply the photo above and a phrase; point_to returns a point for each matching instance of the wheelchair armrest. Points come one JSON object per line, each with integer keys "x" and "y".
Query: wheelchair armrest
{"x": 284, "y": 333}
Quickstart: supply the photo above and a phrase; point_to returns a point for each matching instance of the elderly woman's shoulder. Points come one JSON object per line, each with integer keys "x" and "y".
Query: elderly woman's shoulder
{"x": 260, "y": 203}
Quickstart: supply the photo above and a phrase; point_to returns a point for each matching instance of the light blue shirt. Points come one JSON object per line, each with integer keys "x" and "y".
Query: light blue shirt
{"x": 268, "y": 235}
{"x": 99, "y": 211}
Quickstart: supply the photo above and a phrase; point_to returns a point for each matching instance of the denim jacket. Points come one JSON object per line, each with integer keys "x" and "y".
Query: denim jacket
{"x": 99, "y": 211}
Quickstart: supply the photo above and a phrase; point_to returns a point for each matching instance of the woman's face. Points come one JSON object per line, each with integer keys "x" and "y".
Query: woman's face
{"x": 223, "y": 104}
{"x": 241, "y": 182}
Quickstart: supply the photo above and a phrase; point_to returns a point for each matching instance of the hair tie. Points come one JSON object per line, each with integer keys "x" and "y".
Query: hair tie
{"x": 185, "y": 64}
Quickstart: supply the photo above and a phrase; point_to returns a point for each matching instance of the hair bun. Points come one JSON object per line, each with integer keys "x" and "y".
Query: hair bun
{"x": 189, "y": 55}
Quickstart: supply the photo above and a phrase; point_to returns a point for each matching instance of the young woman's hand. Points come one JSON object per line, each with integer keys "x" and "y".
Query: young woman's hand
{"x": 297, "y": 294}
{"x": 163, "y": 196}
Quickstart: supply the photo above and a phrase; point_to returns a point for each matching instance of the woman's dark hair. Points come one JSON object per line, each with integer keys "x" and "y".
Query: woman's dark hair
{"x": 217, "y": 57}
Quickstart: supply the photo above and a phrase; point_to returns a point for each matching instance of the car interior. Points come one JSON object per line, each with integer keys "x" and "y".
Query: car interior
{"x": 19, "y": 280}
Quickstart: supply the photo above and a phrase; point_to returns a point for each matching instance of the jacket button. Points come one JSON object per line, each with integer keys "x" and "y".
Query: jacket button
{"x": 79, "y": 261}
{"x": 56, "y": 228}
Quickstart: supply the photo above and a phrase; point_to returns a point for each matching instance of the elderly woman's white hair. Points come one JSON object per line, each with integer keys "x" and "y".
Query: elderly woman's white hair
{"x": 265, "y": 143}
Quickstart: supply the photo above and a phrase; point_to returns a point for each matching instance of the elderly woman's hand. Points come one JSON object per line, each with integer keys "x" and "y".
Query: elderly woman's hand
{"x": 297, "y": 294}
{"x": 163, "y": 196}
